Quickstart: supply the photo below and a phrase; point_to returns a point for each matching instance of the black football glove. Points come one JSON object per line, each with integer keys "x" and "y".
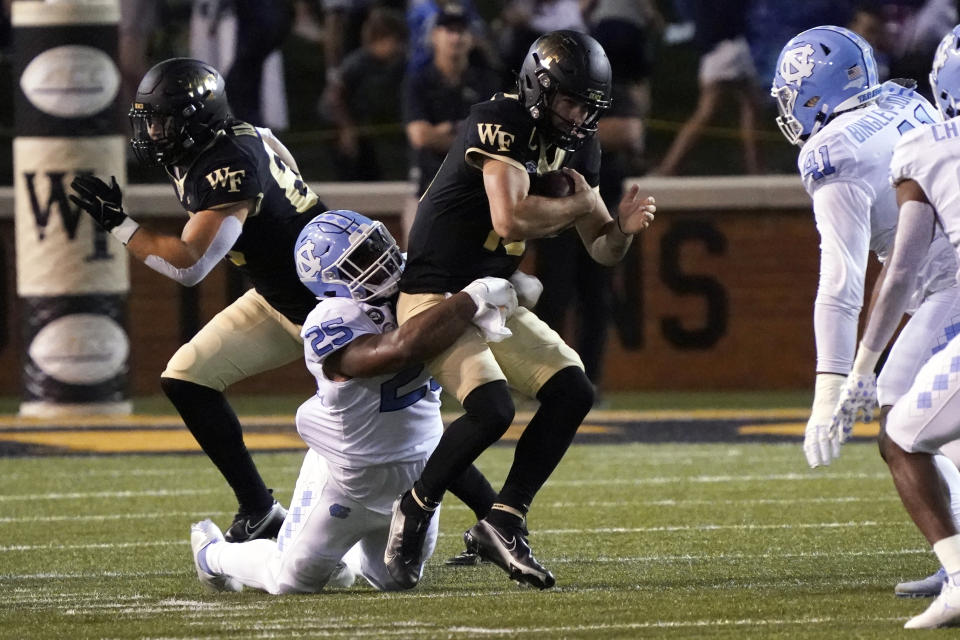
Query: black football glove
{"x": 101, "y": 201}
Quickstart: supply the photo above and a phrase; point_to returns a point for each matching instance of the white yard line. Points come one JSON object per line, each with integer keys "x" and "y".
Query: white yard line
{"x": 457, "y": 506}
{"x": 700, "y": 527}
{"x": 658, "y": 480}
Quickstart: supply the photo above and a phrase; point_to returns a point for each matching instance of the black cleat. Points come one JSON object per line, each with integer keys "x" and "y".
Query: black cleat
{"x": 508, "y": 549}
{"x": 253, "y": 526}
{"x": 406, "y": 538}
{"x": 465, "y": 558}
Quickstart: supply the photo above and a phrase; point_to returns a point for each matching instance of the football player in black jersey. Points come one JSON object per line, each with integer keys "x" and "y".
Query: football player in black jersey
{"x": 248, "y": 203}
{"x": 472, "y": 221}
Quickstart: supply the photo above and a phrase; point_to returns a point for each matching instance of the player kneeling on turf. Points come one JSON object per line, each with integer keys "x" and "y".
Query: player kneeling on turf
{"x": 372, "y": 423}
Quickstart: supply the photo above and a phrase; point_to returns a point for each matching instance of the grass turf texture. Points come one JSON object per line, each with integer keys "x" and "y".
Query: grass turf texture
{"x": 673, "y": 541}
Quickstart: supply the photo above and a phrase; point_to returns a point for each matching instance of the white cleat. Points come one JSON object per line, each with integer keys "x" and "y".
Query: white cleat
{"x": 944, "y": 611}
{"x": 202, "y": 535}
{"x": 928, "y": 587}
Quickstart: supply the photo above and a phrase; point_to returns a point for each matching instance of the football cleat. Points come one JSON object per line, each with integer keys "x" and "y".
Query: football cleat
{"x": 944, "y": 611}
{"x": 924, "y": 588}
{"x": 465, "y": 558}
{"x": 406, "y": 539}
{"x": 508, "y": 549}
{"x": 202, "y": 535}
{"x": 248, "y": 526}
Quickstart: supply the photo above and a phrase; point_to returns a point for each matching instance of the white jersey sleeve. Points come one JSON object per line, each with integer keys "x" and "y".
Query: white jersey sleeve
{"x": 842, "y": 212}
{"x": 829, "y": 158}
{"x": 929, "y": 156}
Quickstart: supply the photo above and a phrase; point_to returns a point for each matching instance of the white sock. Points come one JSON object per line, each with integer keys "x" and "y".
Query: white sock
{"x": 255, "y": 563}
{"x": 948, "y": 552}
{"x": 951, "y": 477}
{"x": 211, "y": 555}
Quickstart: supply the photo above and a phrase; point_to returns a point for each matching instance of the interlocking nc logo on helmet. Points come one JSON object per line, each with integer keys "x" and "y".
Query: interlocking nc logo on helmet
{"x": 796, "y": 65}
{"x": 308, "y": 264}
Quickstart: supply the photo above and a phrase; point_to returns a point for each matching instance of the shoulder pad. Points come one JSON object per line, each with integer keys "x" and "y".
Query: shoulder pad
{"x": 912, "y": 151}
{"x": 826, "y": 157}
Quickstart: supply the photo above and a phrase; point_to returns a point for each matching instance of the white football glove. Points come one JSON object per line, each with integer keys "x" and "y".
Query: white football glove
{"x": 528, "y": 288}
{"x": 859, "y": 394}
{"x": 858, "y": 397}
{"x": 820, "y": 444}
{"x": 496, "y": 301}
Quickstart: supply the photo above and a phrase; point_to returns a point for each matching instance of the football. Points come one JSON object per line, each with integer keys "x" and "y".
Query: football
{"x": 554, "y": 184}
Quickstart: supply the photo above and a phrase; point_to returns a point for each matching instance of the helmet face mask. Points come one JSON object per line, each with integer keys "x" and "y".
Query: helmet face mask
{"x": 569, "y": 133}
{"x": 157, "y": 140}
{"x": 565, "y": 64}
{"x": 790, "y": 127}
{"x": 821, "y": 73}
{"x": 179, "y": 106}
{"x": 945, "y": 75}
{"x": 345, "y": 254}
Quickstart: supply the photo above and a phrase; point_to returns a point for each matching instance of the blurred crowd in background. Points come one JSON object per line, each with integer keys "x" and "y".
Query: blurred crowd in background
{"x": 374, "y": 89}
{"x": 366, "y": 90}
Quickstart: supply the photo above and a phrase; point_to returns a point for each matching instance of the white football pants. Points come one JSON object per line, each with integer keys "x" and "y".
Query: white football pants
{"x": 928, "y": 332}
{"x": 322, "y": 524}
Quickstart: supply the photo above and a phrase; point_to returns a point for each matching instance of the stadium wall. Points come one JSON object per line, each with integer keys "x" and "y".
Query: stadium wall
{"x": 716, "y": 295}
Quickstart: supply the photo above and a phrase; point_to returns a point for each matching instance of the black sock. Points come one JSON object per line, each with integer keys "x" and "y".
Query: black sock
{"x": 565, "y": 400}
{"x": 473, "y": 489}
{"x": 417, "y": 505}
{"x": 217, "y": 430}
{"x": 488, "y": 414}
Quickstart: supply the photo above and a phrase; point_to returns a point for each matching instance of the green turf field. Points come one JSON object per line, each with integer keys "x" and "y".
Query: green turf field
{"x": 646, "y": 540}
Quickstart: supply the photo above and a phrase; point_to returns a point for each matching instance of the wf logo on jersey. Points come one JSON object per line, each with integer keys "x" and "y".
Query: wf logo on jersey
{"x": 491, "y": 134}
{"x": 797, "y": 65}
{"x": 226, "y": 178}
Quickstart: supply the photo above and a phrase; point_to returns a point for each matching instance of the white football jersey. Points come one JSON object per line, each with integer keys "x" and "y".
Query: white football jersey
{"x": 845, "y": 169}
{"x": 364, "y": 421}
{"x": 931, "y": 157}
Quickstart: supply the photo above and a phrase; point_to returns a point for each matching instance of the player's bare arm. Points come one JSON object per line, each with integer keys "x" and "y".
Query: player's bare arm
{"x": 205, "y": 240}
{"x": 194, "y": 242}
{"x": 417, "y": 340}
{"x": 517, "y": 215}
{"x": 608, "y": 239}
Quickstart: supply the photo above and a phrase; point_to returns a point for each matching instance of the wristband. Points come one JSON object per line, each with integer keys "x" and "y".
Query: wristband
{"x": 621, "y": 228}
{"x": 826, "y": 394}
{"x": 125, "y": 230}
{"x": 865, "y": 361}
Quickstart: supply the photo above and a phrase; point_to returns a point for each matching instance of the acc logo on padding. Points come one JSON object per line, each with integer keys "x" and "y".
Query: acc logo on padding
{"x": 72, "y": 81}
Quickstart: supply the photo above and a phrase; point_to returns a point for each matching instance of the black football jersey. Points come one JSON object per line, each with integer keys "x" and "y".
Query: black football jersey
{"x": 452, "y": 241}
{"x": 240, "y": 166}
